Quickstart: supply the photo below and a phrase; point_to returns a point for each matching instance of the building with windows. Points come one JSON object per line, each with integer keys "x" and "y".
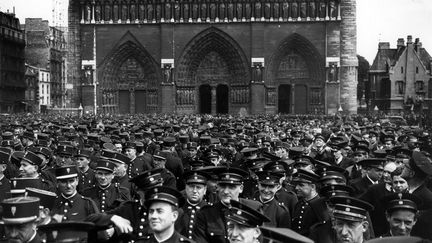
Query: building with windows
{"x": 32, "y": 90}
{"x": 12, "y": 66}
{"x": 400, "y": 78}
{"x": 46, "y": 50}
{"x": 224, "y": 56}
{"x": 44, "y": 89}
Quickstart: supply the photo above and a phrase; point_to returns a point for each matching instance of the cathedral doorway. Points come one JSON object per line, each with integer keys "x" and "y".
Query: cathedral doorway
{"x": 205, "y": 97}
{"x": 222, "y": 99}
{"x": 284, "y": 98}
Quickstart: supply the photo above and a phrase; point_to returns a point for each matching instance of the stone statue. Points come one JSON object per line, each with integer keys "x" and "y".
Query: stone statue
{"x": 285, "y": 10}
{"x": 312, "y": 10}
{"x": 294, "y": 10}
{"x": 258, "y": 10}
{"x": 332, "y": 9}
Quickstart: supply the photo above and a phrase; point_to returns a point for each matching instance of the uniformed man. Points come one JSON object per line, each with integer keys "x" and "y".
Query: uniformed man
{"x": 106, "y": 194}
{"x": 30, "y": 169}
{"x": 70, "y": 205}
{"x": 4, "y": 182}
{"x": 163, "y": 205}
{"x": 137, "y": 164}
{"x": 159, "y": 162}
{"x": 305, "y": 186}
{"x": 122, "y": 162}
{"x": 268, "y": 185}
{"x": 195, "y": 190}
{"x": 401, "y": 213}
{"x": 130, "y": 218}
{"x": 244, "y": 222}
{"x": 86, "y": 176}
{"x": 211, "y": 221}
{"x": 66, "y": 232}
{"x": 282, "y": 235}
{"x": 20, "y": 215}
{"x": 173, "y": 162}
{"x": 350, "y": 219}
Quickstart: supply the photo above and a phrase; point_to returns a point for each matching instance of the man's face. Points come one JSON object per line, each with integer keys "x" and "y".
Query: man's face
{"x": 83, "y": 162}
{"x": 375, "y": 173}
{"x": 267, "y": 191}
{"x": 319, "y": 142}
{"x": 401, "y": 222}
{"x": 63, "y": 160}
{"x": 215, "y": 160}
{"x": 131, "y": 153}
{"x": 388, "y": 145}
{"x": 118, "y": 147}
{"x": 158, "y": 163}
{"x": 27, "y": 170}
{"x": 228, "y": 192}
{"x": 20, "y": 233}
{"x": 349, "y": 231}
{"x": 242, "y": 234}
{"x": 399, "y": 184}
{"x": 161, "y": 216}
{"x": 104, "y": 178}
{"x": 67, "y": 186}
{"x": 281, "y": 152}
{"x": 120, "y": 169}
{"x": 304, "y": 189}
{"x": 360, "y": 156}
{"x": 195, "y": 192}
{"x": 192, "y": 152}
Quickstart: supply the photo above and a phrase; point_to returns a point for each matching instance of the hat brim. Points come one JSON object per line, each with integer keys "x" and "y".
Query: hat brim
{"x": 19, "y": 220}
{"x": 66, "y": 176}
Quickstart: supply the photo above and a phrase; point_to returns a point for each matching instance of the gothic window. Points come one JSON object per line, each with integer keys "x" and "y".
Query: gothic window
{"x": 399, "y": 87}
{"x": 417, "y": 69}
{"x": 419, "y": 86}
{"x": 401, "y": 69}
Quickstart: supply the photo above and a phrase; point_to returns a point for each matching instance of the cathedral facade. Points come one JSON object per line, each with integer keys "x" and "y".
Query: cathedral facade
{"x": 213, "y": 56}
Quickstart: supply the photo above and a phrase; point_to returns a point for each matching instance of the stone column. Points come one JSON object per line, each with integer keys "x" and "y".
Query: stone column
{"x": 257, "y": 88}
{"x": 349, "y": 61}
{"x": 132, "y": 98}
{"x": 213, "y": 99}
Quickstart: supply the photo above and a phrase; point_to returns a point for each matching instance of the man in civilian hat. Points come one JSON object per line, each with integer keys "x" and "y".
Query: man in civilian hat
{"x": 268, "y": 185}
{"x": 163, "y": 205}
{"x": 211, "y": 219}
{"x": 106, "y": 194}
{"x": 30, "y": 169}
{"x": 20, "y": 216}
{"x": 130, "y": 218}
{"x": 401, "y": 210}
{"x": 47, "y": 200}
{"x": 305, "y": 186}
{"x": 86, "y": 176}
{"x": 137, "y": 164}
{"x": 244, "y": 222}
{"x": 350, "y": 219}
{"x": 70, "y": 205}
{"x": 195, "y": 190}
{"x": 373, "y": 170}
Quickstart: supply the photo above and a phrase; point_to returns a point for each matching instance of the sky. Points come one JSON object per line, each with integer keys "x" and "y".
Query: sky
{"x": 377, "y": 21}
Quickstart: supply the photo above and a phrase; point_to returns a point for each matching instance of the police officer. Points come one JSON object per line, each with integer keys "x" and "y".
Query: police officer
{"x": 268, "y": 185}
{"x": 70, "y": 205}
{"x": 86, "y": 176}
{"x": 47, "y": 200}
{"x": 196, "y": 188}
{"x": 163, "y": 205}
{"x": 244, "y": 222}
{"x": 373, "y": 168}
{"x": 211, "y": 220}
{"x": 137, "y": 164}
{"x": 30, "y": 169}
{"x": 401, "y": 213}
{"x": 20, "y": 216}
{"x": 106, "y": 194}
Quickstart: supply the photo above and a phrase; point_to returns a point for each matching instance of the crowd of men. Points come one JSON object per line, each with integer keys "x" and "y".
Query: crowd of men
{"x": 202, "y": 178}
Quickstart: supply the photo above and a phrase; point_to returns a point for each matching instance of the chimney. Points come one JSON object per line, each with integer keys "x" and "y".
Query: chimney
{"x": 417, "y": 44}
{"x": 400, "y": 43}
{"x": 383, "y": 46}
{"x": 409, "y": 40}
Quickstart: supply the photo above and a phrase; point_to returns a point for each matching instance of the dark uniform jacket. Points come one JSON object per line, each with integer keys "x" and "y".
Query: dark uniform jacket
{"x": 278, "y": 214}
{"x": 75, "y": 208}
{"x": 87, "y": 179}
{"x": 130, "y": 210}
{"x": 175, "y": 165}
{"x": 211, "y": 223}
{"x": 169, "y": 179}
{"x": 175, "y": 238}
{"x": 138, "y": 165}
{"x": 322, "y": 232}
{"x": 107, "y": 198}
{"x": 303, "y": 217}
{"x": 186, "y": 222}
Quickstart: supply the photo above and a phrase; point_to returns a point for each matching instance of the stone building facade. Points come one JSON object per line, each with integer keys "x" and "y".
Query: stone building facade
{"x": 46, "y": 50}
{"x": 12, "y": 66}
{"x": 400, "y": 78}
{"x": 188, "y": 56}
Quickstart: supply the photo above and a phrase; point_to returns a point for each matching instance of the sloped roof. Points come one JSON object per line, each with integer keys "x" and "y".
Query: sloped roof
{"x": 425, "y": 58}
{"x": 386, "y": 57}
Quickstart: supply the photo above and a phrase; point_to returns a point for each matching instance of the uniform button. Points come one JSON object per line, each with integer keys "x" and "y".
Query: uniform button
{"x": 190, "y": 231}
{"x": 142, "y": 219}
{"x": 65, "y": 210}
{"x": 211, "y": 233}
{"x": 191, "y": 226}
{"x": 140, "y": 234}
{"x": 193, "y": 210}
{"x": 141, "y": 227}
{"x": 301, "y": 216}
{"x": 66, "y": 204}
{"x": 192, "y": 216}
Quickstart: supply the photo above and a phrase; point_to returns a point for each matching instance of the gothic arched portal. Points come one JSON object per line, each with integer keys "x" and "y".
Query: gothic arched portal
{"x": 129, "y": 80}
{"x": 296, "y": 71}
{"x": 212, "y": 58}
